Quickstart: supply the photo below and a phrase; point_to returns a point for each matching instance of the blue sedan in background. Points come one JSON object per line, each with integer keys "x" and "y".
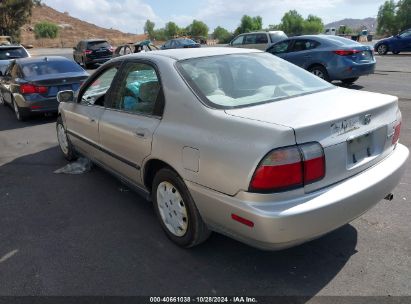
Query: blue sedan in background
{"x": 328, "y": 57}
{"x": 180, "y": 43}
{"x": 394, "y": 44}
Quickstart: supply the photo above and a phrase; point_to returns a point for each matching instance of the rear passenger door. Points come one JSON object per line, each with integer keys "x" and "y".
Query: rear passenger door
{"x": 128, "y": 124}
{"x": 302, "y": 52}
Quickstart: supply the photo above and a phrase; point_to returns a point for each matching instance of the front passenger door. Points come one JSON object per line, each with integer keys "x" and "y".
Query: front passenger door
{"x": 128, "y": 124}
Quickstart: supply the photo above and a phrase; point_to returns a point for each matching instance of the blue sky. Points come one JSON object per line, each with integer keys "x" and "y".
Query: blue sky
{"x": 130, "y": 15}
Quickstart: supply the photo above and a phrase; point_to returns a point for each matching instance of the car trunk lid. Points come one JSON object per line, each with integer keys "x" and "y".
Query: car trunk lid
{"x": 353, "y": 127}
{"x": 58, "y": 82}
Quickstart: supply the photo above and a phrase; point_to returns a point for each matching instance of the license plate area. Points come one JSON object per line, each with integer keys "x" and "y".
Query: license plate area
{"x": 366, "y": 147}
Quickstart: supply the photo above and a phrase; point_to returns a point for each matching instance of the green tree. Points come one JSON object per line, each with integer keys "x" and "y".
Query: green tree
{"x": 46, "y": 29}
{"x": 249, "y": 24}
{"x": 387, "y": 19}
{"x": 313, "y": 25}
{"x": 149, "y": 29}
{"x": 13, "y": 15}
{"x": 198, "y": 29}
{"x": 222, "y": 35}
{"x": 292, "y": 23}
{"x": 171, "y": 30}
{"x": 404, "y": 14}
{"x": 160, "y": 34}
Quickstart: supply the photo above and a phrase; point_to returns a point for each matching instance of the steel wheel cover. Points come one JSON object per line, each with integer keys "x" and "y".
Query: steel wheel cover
{"x": 172, "y": 209}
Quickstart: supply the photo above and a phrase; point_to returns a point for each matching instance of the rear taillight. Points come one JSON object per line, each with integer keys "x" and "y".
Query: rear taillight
{"x": 88, "y": 52}
{"x": 289, "y": 168}
{"x": 346, "y": 52}
{"x": 32, "y": 89}
{"x": 397, "y": 131}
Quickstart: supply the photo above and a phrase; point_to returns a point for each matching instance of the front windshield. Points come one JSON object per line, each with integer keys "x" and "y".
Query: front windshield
{"x": 239, "y": 80}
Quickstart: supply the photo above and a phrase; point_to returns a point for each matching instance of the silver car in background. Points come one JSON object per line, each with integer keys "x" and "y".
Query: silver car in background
{"x": 236, "y": 141}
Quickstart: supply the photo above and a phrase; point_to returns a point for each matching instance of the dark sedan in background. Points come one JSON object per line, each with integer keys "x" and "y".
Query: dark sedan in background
{"x": 9, "y": 52}
{"x": 30, "y": 85}
{"x": 395, "y": 44}
{"x": 180, "y": 43}
{"x": 328, "y": 57}
{"x": 92, "y": 51}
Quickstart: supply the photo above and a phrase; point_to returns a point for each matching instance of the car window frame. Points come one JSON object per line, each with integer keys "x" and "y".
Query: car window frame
{"x": 120, "y": 77}
{"x": 95, "y": 76}
{"x": 290, "y": 45}
{"x": 238, "y": 37}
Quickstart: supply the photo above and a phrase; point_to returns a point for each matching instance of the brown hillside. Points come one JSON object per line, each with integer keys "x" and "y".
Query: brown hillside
{"x": 71, "y": 30}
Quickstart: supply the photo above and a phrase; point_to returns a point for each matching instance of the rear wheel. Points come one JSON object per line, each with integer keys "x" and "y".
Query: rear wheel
{"x": 177, "y": 211}
{"x": 2, "y": 102}
{"x": 319, "y": 71}
{"x": 350, "y": 80}
{"x": 64, "y": 142}
{"x": 20, "y": 115}
{"x": 382, "y": 49}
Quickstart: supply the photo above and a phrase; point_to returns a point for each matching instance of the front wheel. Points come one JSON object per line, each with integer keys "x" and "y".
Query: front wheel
{"x": 382, "y": 49}
{"x": 319, "y": 71}
{"x": 177, "y": 211}
{"x": 64, "y": 142}
{"x": 350, "y": 80}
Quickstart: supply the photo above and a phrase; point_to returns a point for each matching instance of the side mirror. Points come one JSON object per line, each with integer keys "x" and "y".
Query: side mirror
{"x": 65, "y": 96}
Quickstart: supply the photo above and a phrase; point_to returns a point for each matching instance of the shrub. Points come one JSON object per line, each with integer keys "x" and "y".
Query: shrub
{"x": 46, "y": 30}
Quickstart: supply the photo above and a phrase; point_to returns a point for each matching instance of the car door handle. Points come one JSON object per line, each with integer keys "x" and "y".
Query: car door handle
{"x": 140, "y": 132}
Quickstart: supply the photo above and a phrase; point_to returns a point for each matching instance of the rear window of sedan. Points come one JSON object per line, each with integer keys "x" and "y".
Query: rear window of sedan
{"x": 39, "y": 68}
{"x": 239, "y": 80}
{"x": 340, "y": 41}
{"x": 12, "y": 53}
{"x": 95, "y": 45}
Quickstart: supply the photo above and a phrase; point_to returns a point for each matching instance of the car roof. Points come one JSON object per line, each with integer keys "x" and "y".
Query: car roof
{"x": 93, "y": 40}
{"x": 40, "y": 59}
{"x": 182, "y": 54}
{"x": 11, "y": 46}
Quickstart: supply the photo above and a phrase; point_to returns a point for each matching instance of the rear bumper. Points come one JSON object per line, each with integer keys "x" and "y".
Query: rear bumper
{"x": 40, "y": 106}
{"x": 282, "y": 224}
{"x": 352, "y": 71}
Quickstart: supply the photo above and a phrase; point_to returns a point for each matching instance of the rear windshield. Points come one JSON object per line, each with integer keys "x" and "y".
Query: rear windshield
{"x": 239, "y": 80}
{"x": 12, "y": 53}
{"x": 95, "y": 45}
{"x": 49, "y": 67}
{"x": 340, "y": 41}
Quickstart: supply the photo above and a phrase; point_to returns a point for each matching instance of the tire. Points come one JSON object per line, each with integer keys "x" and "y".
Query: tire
{"x": 350, "y": 80}
{"x": 2, "y": 101}
{"x": 319, "y": 71}
{"x": 180, "y": 221}
{"x": 20, "y": 115}
{"x": 65, "y": 145}
{"x": 382, "y": 49}
{"x": 395, "y": 52}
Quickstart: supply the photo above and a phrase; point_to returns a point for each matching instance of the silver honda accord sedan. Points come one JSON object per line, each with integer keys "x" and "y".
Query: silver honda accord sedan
{"x": 236, "y": 141}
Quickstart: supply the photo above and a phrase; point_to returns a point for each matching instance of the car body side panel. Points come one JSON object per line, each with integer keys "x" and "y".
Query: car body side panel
{"x": 230, "y": 148}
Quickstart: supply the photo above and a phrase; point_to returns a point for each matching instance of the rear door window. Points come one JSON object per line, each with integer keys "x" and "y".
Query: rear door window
{"x": 261, "y": 38}
{"x": 304, "y": 45}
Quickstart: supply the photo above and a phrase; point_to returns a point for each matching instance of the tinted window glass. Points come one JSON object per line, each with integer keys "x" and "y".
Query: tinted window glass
{"x": 250, "y": 39}
{"x": 238, "y": 40}
{"x": 261, "y": 38}
{"x": 303, "y": 45}
{"x": 279, "y": 48}
{"x": 95, "y": 45}
{"x": 49, "y": 67}
{"x": 138, "y": 91}
{"x": 96, "y": 91}
{"x": 245, "y": 79}
{"x": 12, "y": 53}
